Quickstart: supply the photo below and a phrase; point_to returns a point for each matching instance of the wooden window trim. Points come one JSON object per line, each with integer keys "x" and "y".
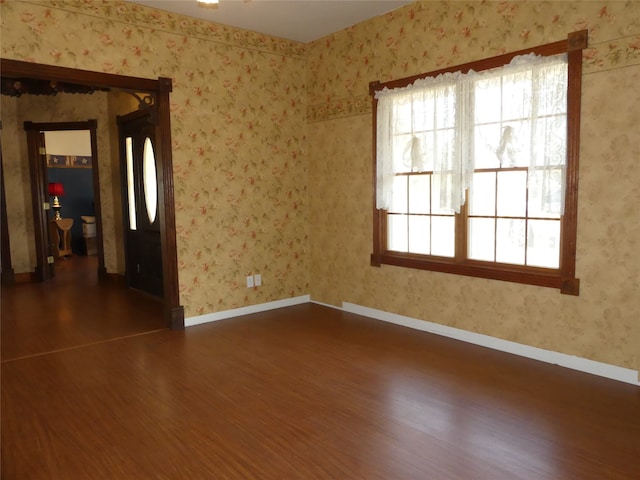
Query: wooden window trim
{"x": 563, "y": 278}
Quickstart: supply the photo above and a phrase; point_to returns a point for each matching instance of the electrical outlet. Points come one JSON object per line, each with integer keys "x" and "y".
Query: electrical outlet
{"x": 250, "y": 281}
{"x": 257, "y": 279}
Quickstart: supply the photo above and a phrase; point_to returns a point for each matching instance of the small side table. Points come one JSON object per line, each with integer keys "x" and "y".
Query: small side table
{"x": 60, "y": 236}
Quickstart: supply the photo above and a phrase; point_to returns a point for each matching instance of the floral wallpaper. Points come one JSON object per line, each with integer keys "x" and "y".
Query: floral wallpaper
{"x": 273, "y": 167}
{"x": 238, "y": 131}
{"x": 603, "y": 323}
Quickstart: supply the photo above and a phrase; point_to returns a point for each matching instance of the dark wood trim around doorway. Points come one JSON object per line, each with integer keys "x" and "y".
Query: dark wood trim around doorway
{"x": 160, "y": 89}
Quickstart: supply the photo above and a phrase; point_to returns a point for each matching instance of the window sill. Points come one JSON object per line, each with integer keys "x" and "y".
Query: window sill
{"x": 508, "y": 273}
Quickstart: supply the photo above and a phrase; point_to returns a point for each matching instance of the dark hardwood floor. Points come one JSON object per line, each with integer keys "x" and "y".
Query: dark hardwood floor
{"x": 72, "y": 310}
{"x": 305, "y": 392}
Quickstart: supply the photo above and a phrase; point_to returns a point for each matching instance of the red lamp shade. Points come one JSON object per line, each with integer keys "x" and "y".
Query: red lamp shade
{"x": 56, "y": 189}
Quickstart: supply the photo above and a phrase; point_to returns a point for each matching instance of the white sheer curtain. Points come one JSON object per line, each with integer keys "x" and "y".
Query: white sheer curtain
{"x": 416, "y": 132}
{"x": 514, "y": 115}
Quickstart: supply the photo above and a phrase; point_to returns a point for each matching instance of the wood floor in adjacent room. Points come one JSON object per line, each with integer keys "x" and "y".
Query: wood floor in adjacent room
{"x": 101, "y": 391}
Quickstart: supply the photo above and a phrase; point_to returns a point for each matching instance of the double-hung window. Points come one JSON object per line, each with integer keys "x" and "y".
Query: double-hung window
{"x": 476, "y": 167}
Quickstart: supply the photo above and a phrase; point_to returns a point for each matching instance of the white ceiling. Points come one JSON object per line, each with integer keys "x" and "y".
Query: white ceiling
{"x": 299, "y": 20}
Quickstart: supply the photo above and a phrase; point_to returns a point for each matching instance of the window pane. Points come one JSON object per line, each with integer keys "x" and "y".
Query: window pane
{"x": 516, "y": 95}
{"x": 423, "y": 114}
{"x": 512, "y": 194}
{"x": 399, "y": 195}
{"x": 149, "y": 178}
{"x": 419, "y": 234}
{"x": 397, "y": 234}
{"x": 545, "y": 192}
{"x": 401, "y": 115}
{"x": 543, "y": 244}
{"x": 510, "y": 241}
{"x": 514, "y": 149}
{"x": 401, "y": 161}
{"x": 487, "y": 97}
{"x": 481, "y": 239}
{"x": 445, "y": 183}
{"x": 486, "y": 143}
{"x": 551, "y": 137}
{"x": 419, "y": 193}
{"x": 426, "y": 151}
{"x": 444, "y": 148}
{"x": 483, "y": 194}
{"x": 130, "y": 188}
{"x": 443, "y": 236}
{"x": 445, "y": 104}
{"x": 553, "y": 99}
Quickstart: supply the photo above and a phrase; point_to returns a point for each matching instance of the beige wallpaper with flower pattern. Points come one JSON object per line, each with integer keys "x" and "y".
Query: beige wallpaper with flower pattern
{"x": 603, "y": 323}
{"x": 239, "y": 128}
{"x": 272, "y": 156}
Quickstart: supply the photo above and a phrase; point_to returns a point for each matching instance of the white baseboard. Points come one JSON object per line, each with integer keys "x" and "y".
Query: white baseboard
{"x": 237, "y": 312}
{"x": 328, "y": 305}
{"x": 569, "y": 361}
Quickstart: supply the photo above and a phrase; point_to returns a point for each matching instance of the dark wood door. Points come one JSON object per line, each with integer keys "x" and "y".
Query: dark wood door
{"x": 143, "y": 251}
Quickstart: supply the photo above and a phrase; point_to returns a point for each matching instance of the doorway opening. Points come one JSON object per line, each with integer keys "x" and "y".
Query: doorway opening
{"x": 69, "y": 163}
{"x": 64, "y": 171}
{"x": 159, "y": 90}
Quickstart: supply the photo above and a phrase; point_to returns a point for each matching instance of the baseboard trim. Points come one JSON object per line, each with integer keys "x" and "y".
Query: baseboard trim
{"x": 237, "y": 312}
{"x": 25, "y": 277}
{"x": 7, "y": 276}
{"x": 600, "y": 369}
{"x": 613, "y": 372}
{"x": 328, "y": 305}
{"x": 115, "y": 278}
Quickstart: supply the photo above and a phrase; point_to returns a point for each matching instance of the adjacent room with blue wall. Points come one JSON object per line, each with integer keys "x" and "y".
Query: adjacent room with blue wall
{"x": 69, "y": 162}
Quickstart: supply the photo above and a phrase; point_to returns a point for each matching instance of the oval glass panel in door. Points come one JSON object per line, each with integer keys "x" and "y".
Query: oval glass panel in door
{"x": 149, "y": 179}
